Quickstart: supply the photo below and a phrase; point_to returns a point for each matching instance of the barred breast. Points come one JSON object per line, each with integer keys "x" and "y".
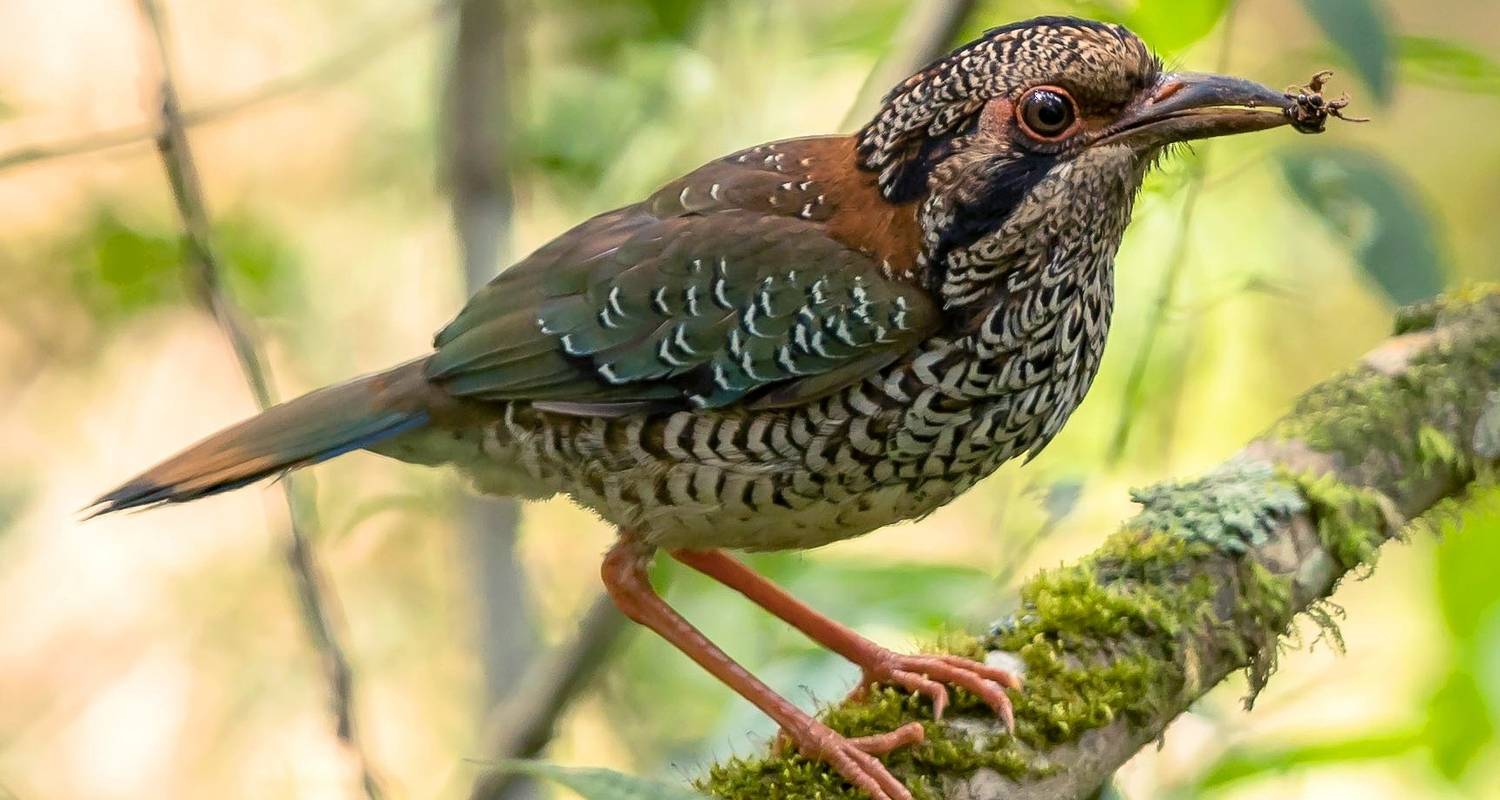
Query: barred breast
{"x": 894, "y": 447}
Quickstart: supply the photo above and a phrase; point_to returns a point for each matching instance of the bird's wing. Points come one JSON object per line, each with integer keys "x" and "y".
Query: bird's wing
{"x": 703, "y": 306}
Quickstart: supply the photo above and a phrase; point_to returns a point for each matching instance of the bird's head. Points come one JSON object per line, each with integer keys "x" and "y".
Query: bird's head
{"x": 1036, "y": 137}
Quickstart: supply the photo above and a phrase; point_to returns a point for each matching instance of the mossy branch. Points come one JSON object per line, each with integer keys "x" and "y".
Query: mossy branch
{"x": 1207, "y": 580}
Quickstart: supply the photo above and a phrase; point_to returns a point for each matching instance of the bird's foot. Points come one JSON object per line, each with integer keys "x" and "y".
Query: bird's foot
{"x": 926, "y": 674}
{"x": 854, "y": 757}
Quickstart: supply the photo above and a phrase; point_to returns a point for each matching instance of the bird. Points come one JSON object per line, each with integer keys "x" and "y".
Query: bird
{"x": 795, "y": 344}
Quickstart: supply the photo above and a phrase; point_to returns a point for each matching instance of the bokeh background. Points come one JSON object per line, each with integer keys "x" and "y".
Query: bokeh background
{"x": 164, "y": 654}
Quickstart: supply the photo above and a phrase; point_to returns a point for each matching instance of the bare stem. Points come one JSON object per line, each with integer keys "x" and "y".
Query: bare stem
{"x": 522, "y": 727}
{"x": 331, "y": 69}
{"x": 206, "y": 276}
{"x": 1166, "y": 292}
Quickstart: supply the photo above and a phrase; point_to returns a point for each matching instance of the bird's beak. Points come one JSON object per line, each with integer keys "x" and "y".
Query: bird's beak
{"x": 1183, "y": 106}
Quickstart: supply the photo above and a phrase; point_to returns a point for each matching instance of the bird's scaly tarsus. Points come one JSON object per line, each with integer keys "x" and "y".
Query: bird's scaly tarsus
{"x": 625, "y": 578}
{"x": 923, "y": 674}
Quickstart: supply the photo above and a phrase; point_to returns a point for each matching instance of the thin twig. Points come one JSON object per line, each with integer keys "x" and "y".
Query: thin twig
{"x": 1166, "y": 292}
{"x": 522, "y": 727}
{"x": 333, "y": 68}
{"x": 206, "y": 276}
{"x": 926, "y": 33}
{"x": 476, "y": 113}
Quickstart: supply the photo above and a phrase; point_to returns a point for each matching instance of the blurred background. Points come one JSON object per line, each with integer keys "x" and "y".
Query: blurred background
{"x": 167, "y": 655}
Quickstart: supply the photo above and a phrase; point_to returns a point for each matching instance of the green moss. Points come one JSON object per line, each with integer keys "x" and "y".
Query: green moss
{"x": 1352, "y": 521}
{"x": 1233, "y": 508}
{"x": 1370, "y": 420}
{"x": 1099, "y": 641}
{"x": 1105, "y": 639}
{"x": 1425, "y": 316}
{"x": 1264, "y": 615}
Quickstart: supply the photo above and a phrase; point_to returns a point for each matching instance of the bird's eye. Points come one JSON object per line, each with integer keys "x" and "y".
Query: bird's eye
{"x": 1046, "y": 112}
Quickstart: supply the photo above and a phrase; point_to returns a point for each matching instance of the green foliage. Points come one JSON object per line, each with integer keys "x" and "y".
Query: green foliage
{"x": 1448, "y": 65}
{"x": 1359, "y": 28}
{"x": 609, "y": 103}
{"x": 605, "y": 27}
{"x": 1171, "y": 26}
{"x": 1464, "y": 712}
{"x": 599, "y": 784}
{"x": 1369, "y": 203}
{"x": 121, "y": 267}
{"x": 1243, "y": 763}
{"x": 1460, "y": 726}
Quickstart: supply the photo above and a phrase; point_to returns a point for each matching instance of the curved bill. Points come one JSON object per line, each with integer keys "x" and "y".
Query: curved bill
{"x": 1193, "y": 105}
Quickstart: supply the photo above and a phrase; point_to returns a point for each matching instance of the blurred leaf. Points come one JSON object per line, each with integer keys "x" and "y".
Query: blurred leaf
{"x": 1061, "y": 498}
{"x": 6, "y": 109}
{"x": 1168, "y": 26}
{"x": 264, "y": 269}
{"x": 1359, "y": 28}
{"x": 919, "y": 598}
{"x": 869, "y": 32}
{"x": 122, "y": 267}
{"x": 1459, "y": 727}
{"x": 600, "y": 784}
{"x": 1448, "y": 65}
{"x": 603, "y": 27}
{"x": 1240, "y": 764}
{"x": 1367, "y": 201}
{"x": 1468, "y": 594}
{"x": 1462, "y": 713}
{"x": 1171, "y": 26}
{"x": 13, "y": 498}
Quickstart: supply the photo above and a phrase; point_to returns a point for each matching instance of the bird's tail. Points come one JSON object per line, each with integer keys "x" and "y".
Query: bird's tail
{"x": 312, "y": 428}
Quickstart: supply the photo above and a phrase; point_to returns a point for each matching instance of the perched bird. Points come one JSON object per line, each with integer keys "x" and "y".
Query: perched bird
{"x": 795, "y": 344}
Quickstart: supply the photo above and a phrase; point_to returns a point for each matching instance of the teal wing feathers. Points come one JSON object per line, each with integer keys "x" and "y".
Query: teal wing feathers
{"x": 674, "y": 303}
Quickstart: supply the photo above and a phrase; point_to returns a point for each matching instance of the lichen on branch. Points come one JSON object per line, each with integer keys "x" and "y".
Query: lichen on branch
{"x": 1206, "y": 580}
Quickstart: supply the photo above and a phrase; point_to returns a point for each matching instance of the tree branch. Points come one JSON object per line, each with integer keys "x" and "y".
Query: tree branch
{"x": 521, "y": 727}
{"x": 333, "y": 68}
{"x": 476, "y": 116}
{"x": 1207, "y": 580}
{"x": 206, "y": 277}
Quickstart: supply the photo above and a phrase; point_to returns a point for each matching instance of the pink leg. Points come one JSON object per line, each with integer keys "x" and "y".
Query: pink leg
{"x": 915, "y": 673}
{"x": 624, "y": 574}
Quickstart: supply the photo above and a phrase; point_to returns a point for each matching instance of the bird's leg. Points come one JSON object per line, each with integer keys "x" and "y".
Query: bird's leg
{"x": 924, "y": 674}
{"x": 625, "y": 578}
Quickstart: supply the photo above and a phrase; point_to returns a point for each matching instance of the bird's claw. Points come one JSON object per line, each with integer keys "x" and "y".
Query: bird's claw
{"x": 855, "y": 757}
{"x": 1309, "y": 109}
{"x": 926, "y": 674}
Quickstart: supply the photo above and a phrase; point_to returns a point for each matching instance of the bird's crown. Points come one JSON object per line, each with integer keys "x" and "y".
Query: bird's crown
{"x": 1102, "y": 66}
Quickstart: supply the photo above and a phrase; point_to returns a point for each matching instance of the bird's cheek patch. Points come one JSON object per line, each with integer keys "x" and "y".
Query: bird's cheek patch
{"x": 997, "y": 117}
